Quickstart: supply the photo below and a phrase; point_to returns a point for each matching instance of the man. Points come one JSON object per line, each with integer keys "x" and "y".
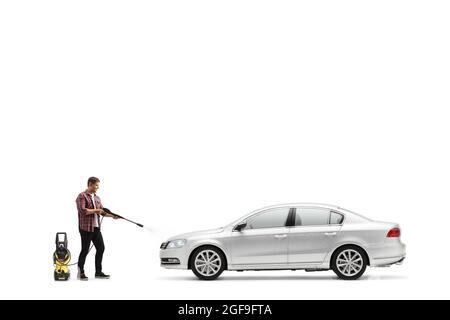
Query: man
{"x": 90, "y": 208}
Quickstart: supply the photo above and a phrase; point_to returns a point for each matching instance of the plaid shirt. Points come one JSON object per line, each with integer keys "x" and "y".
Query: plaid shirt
{"x": 84, "y": 201}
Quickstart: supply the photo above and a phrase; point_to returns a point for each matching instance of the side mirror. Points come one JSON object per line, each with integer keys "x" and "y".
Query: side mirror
{"x": 240, "y": 226}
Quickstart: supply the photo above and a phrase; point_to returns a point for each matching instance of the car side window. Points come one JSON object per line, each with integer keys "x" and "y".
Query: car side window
{"x": 336, "y": 218}
{"x": 271, "y": 218}
{"x": 312, "y": 216}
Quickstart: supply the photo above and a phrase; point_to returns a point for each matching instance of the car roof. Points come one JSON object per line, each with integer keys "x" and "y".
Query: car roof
{"x": 302, "y": 204}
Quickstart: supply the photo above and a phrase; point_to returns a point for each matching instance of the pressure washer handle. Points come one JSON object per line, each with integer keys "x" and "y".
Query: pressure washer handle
{"x": 109, "y": 212}
{"x": 59, "y": 242}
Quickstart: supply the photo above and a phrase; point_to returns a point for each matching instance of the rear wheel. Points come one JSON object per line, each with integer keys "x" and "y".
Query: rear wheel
{"x": 207, "y": 263}
{"x": 349, "y": 262}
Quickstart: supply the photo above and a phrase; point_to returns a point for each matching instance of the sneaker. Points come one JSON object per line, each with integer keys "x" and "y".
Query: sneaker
{"x": 101, "y": 275}
{"x": 82, "y": 277}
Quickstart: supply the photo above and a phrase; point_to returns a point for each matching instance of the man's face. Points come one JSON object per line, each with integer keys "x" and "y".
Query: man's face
{"x": 93, "y": 187}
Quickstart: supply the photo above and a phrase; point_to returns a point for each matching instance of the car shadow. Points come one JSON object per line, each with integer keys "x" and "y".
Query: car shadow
{"x": 288, "y": 278}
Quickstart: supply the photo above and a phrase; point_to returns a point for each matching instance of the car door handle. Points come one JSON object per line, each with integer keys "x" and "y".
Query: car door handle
{"x": 330, "y": 234}
{"x": 280, "y": 236}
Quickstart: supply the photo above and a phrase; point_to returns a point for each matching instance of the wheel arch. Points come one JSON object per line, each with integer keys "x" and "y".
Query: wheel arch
{"x": 346, "y": 245}
{"x": 214, "y": 245}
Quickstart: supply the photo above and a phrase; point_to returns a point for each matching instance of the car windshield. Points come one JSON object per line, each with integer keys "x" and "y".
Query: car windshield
{"x": 242, "y": 218}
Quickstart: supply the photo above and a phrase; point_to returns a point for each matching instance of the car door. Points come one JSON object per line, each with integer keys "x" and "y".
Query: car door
{"x": 312, "y": 235}
{"x": 263, "y": 242}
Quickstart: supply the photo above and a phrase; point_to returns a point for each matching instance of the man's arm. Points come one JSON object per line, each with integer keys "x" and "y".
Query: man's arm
{"x": 81, "y": 205}
{"x": 92, "y": 211}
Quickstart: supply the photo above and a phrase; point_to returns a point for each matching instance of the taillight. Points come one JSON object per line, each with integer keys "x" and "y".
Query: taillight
{"x": 394, "y": 233}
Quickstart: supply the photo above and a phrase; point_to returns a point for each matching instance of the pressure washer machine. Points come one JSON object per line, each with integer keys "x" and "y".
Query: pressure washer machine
{"x": 61, "y": 257}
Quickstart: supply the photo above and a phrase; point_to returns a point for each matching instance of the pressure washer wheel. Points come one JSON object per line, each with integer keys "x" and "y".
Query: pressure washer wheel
{"x": 61, "y": 276}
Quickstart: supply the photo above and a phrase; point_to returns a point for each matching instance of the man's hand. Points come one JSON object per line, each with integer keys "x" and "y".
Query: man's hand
{"x": 101, "y": 212}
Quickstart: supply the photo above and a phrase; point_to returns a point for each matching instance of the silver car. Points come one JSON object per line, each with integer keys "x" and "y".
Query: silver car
{"x": 313, "y": 237}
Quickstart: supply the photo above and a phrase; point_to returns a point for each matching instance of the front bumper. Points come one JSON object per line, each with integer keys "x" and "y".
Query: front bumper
{"x": 173, "y": 258}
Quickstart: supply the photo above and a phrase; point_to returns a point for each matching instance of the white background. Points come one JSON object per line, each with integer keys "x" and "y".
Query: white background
{"x": 193, "y": 113}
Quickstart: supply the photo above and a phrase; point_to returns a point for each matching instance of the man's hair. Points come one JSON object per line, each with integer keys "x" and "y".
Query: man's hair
{"x": 93, "y": 180}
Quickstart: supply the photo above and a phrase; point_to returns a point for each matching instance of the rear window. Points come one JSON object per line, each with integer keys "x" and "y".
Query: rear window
{"x": 356, "y": 214}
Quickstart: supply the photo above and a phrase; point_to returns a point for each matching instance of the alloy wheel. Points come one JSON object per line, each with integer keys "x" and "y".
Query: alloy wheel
{"x": 349, "y": 262}
{"x": 207, "y": 263}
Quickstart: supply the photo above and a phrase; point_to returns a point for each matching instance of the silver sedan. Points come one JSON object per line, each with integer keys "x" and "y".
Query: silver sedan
{"x": 312, "y": 237}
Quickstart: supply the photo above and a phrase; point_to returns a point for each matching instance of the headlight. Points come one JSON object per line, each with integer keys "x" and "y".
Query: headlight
{"x": 176, "y": 243}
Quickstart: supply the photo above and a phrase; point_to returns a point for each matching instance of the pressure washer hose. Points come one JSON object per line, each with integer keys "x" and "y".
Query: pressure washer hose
{"x": 72, "y": 264}
{"x": 114, "y": 214}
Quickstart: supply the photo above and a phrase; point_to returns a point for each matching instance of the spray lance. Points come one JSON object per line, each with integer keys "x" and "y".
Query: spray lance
{"x": 120, "y": 217}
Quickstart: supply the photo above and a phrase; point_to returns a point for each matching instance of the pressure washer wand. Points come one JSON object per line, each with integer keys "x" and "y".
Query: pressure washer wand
{"x": 120, "y": 217}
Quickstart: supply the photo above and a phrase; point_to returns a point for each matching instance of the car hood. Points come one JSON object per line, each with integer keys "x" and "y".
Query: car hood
{"x": 196, "y": 234}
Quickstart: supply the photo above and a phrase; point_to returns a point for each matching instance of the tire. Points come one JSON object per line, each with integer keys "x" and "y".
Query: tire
{"x": 207, "y": 262}
{"x": 349, "y": 262}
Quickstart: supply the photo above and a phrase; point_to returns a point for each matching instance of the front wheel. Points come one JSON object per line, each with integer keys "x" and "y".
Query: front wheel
{"x": 349, "y": 262}
{"x": 207, "y": 263}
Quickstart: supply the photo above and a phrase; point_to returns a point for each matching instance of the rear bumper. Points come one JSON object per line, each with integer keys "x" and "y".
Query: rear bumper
{"x": 387, "y": 261}
{"x": 388, "y": 254}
